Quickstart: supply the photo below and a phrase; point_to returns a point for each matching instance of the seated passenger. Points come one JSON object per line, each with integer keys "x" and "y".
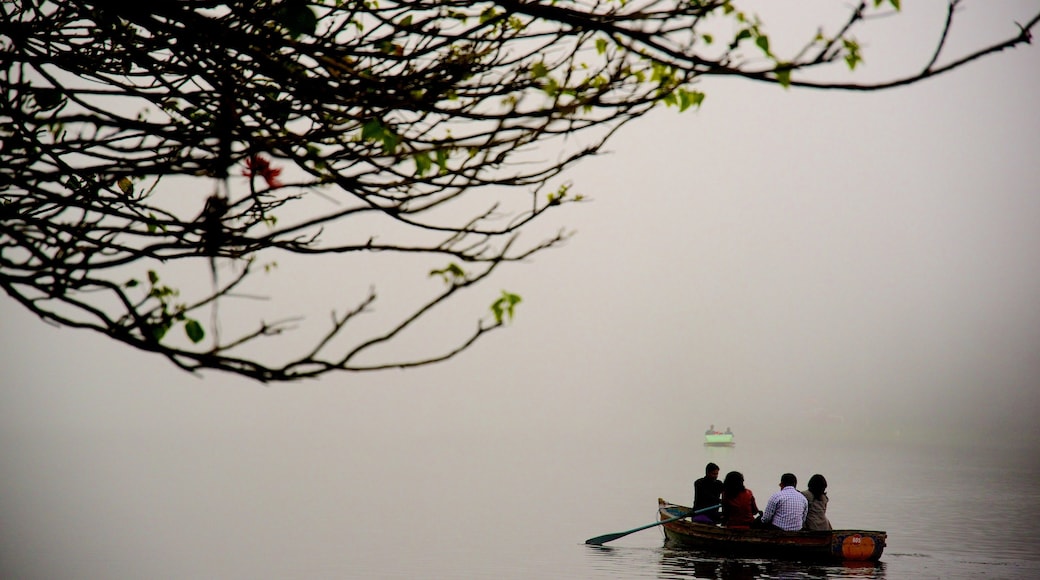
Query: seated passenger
{"x": 738, "y": 503}
{"x": 787, "y": 508}
{"x": 706, "y": 492}
{"x": 816, "y": 519}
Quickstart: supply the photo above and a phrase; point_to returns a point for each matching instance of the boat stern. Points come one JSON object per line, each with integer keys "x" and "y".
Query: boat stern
{"x": 858, "y": 545}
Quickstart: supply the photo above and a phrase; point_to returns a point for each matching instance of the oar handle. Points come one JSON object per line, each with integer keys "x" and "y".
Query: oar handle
{"x": 600, "y": 540}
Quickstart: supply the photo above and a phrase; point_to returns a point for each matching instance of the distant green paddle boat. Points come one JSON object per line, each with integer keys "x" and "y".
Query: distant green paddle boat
{"x": 717, "y": 439}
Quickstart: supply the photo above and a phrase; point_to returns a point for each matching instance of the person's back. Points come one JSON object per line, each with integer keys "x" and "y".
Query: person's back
{"x": 738, "y": 503}
{"x": 706, "y": 493}
{"x": 787, "y": 508}
{"x": 816, "y": 495}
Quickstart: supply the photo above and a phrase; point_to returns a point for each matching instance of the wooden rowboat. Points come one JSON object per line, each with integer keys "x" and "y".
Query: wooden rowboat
{"x": 819, "y": 546}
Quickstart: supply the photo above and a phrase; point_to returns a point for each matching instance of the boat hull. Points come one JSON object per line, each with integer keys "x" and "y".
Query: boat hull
{"x": 719, "y": 440}
{"x": 817, "y": 546}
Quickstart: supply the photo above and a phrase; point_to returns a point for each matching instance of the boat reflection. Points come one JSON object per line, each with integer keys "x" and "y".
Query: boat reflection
{"x": 687, "y": 564}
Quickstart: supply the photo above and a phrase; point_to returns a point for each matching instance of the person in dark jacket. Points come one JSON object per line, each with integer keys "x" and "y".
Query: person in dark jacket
{"x": 707, "y": 491}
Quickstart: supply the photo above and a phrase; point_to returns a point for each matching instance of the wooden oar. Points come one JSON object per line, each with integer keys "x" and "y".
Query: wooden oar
{"x": 600, "y": 540}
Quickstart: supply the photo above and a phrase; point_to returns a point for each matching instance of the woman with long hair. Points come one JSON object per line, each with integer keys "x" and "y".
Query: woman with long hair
{"x": 817, "y": 496}
{"x": 738, "y": 503}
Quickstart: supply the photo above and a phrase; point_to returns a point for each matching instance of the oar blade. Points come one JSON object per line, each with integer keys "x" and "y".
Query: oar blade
{"x": 611, "y": 537}
{"x": 600, "y": 540}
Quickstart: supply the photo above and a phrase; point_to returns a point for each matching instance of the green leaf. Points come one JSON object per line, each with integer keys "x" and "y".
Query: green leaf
{"x": 372, "y": 130}
{"x": 389, "y": 47}
{"x": 763, "y": 42}
{"x": 852, "y": 54}
{"x": 488, "y": 14}
{"x": 153, "y": 278}
{"x": 126, "y": 185}
{"x": 422, "y": 163}
{"x": 743, "y": 34}
{"x": 159, "y": 330}
{"x": 452, "y": 274}
{"x": 376, "y": 131}
{"x": 601, "y": 45}
{"x": 783, "y": 76}
{"x": 390, "y": 141}
{"x": 895, "y": 3}
{"x": 689, "y": 99}
{"x": 552, "y": 87}
{"x": 442, "y": 159}
{"x": 297, "y": 17}
{"x": 555, "y": 197}
{"x": 504, "y": 306}
{"x": 194, "y": 330}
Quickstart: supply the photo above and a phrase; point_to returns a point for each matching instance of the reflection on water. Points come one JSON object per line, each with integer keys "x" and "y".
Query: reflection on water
{"x": 662, "y": 563}
{"x": 667, "y": 563}
{"x": 684, "y": 564}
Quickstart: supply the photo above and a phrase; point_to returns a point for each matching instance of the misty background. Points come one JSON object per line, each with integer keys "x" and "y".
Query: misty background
{"x": 778, "y": 261}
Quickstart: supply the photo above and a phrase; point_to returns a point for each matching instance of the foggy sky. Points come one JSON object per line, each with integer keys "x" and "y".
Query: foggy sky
{"x": 871, "y": 259}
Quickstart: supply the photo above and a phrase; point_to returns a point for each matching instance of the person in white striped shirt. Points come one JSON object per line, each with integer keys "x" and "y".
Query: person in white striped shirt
{"x": 787, "y": 508}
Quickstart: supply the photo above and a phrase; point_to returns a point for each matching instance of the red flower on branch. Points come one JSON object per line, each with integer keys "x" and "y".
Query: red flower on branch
{"x": 260, "y": 166}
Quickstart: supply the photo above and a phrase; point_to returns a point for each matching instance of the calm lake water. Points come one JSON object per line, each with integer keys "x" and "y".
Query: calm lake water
{"x": 402, "y": 504}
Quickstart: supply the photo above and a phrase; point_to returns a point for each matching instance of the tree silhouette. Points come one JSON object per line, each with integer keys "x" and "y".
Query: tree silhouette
{"x": 159, "y": 158}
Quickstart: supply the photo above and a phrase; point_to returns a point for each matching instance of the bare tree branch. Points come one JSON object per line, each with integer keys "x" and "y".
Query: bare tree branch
{"x": 159, "y": 159}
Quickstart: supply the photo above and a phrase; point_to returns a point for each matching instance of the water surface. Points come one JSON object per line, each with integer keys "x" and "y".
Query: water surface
{"x": 401, "y": 504}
